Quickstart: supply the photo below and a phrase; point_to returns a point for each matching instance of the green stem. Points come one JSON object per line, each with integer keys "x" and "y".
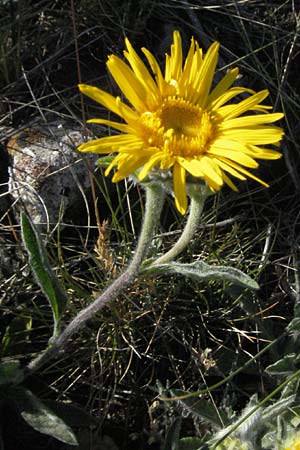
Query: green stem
{"x": 154, "y": 203}
{"x": 190, "y": 229}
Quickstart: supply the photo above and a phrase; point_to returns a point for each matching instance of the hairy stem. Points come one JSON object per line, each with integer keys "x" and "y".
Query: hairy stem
{"x": 154, "y": 202}
{"x": 190, "y": 229}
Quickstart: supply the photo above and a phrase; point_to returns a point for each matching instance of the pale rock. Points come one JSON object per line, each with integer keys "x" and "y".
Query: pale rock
{"x": 48, "y": 176}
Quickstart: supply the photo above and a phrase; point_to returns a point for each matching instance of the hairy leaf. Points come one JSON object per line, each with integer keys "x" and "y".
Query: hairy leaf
{"x": 173, "y": 433}
{"x": 41, "y": 417}
{"x": 42, "y": 270}
{"x": 199, "y": 270}
{"x": 285, "y": 366}
{"x": 201, "y": 407}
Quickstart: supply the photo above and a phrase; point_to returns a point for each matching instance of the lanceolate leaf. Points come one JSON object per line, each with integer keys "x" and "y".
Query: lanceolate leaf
{"x": 201, "y": 407}
{"x": 42, "y": 270}
{"x": 191, "y": 443}
{"x": 72, "y": 415}
{"x": 285, "y": 366}
{"x": 199, "y": 270}
{"x": 173, "y": 434}
{"x": 40, "y": 417}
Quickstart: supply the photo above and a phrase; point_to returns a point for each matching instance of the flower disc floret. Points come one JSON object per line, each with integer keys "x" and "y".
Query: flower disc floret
{"x": 177, "y": 122}
{"x": 177, "y": 128}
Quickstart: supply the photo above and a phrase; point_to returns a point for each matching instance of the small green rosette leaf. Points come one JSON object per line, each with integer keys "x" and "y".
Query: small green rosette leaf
{"x": 201, "y": 408}
{"x": 285, "y": 366}
{"x": 40, "y": 265}
{"x": 201, "y": 271}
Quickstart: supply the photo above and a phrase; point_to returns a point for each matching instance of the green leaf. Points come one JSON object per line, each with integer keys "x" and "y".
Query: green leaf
{"x": 72, "y": 415}
{"x": 285, "y": 366}
{"x": 172, "y": 435}
{"x": 199, "y": 270}
{"x": 42, "y": 418}
{"x": 191, "y": 443}
{"x": 294, "y": 325}
{"x": 200, "y": 407}
{"x": 269, "y": 439}
{"x": 105, "y": 161}
{"x": 11, "y": 372}
{"x": 16, "y": 335}
{"x": 40, "y": 265}
{"x": 277, "y": 408}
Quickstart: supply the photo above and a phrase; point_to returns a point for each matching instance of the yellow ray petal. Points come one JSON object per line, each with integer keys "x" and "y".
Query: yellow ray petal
{"x": 197, "y": 62}
{"x": 202, "y": 168}
{"x": 228, "y": 95}
{"x": 179, "y": 188}
{"x": 174, "y": 65}
{"x": 229, "y": 183}
{"x": 188, "y": 62}
{"x": 223, "y": 85}
{"x": 109, "y": 144}
{"x": 141, "y": 71}
{"x": 161, "y": 83}
{"x": 203, "y": 82}
{"x": 225, "y": 165}
{"x": 155, "y": 159}
{"x": 117, "y": 125}
{"x": 248, "y": 149}
{"x": 255, "y": 135}
{"x": 128, "y": 82}
{"x": 126, "y": 167}
{"x": 243, "y": 106}
{"x": 246, "y": 172}
{"x": 263, "y": 153}
{"x": 239, "y": 157}
{"x": 108, "y": 101}
{"x": 167, "y": 161}
{"x": 235, "y": 150}
{"x": 250, "y": 121}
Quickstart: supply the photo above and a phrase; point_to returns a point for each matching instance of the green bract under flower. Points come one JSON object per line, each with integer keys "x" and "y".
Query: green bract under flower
{"x": 178, "y": 123}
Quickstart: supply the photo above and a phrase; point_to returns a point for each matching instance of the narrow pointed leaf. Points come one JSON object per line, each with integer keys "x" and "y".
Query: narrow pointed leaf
{"x": 191, "y": 443}
{"x": 285, "y": 366}
{"x": 202, "y": 408}
{"x": 294, "y": 325}
{"x": 278, "y": 407}
{"x": 173, "y": 433}
{"x": 40, "y": 265}
{"x": 72, "y": 415}
{"x": 199, "y": 270}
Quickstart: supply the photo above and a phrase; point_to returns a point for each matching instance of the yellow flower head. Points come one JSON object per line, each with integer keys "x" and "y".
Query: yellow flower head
{"x": 178, "y": 123}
